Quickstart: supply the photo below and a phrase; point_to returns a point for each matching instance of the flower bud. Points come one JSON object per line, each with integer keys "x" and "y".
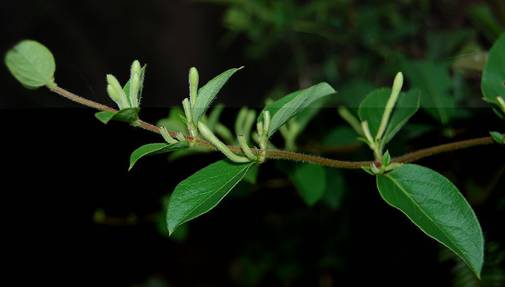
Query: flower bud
{"x": 116, "y": 92}
{"x": 193, "y": 84}
{"x": 135, "y": 72}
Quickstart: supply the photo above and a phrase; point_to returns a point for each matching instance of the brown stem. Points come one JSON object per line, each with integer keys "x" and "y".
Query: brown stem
{"x": 290, "y": 155}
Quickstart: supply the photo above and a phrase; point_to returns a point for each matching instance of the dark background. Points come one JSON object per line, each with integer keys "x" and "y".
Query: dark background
{"x": 62, "y": 167}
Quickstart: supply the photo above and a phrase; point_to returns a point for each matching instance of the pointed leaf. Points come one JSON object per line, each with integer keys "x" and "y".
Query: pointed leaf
{"x": 493, "y": 77}
{"x": 208, "y": 92}
{"x": 289, "y": 106}
{"x": 152, "y": 149}
{"x": 32, "y": 64}
{"x": 436, "y": 206}
{"x": 129, "y": 115}
{"x": 202, "y": 191}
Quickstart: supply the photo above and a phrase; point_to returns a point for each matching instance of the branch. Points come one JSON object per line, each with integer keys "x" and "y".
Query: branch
{"x": 290, "y": 155}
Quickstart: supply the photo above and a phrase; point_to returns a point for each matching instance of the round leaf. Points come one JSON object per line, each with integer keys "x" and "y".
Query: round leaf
{"x": 32, "y": 64}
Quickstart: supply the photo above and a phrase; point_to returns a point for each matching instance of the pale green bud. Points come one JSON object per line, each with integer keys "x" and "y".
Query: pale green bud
{"x": 116, "y": 92}
{"x": 135, "y": 72}
{"x": 193, "y": 84}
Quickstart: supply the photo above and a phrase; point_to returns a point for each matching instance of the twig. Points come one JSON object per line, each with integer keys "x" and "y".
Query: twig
{"x": 290, "y": 155}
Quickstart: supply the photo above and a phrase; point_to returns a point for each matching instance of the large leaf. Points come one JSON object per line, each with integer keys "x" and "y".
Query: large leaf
{"x": 493, "y": 77}
{"x": 436, "y": 206}
{"x": 289, "y": 106}
{"x": 128, "y": 115}
{"x": 372, "y": 108}
{"x": 202, "y": 191}
{"x": 152, "y": 149}
{"x": 310, "y": 182}
{"x": 32, "y": 64}
{"x": 208, "y": 92}
{"x": 435, "y": 83}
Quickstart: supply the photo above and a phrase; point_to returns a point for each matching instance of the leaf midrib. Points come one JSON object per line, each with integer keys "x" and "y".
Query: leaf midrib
{"x": 217, "y": 190}
{"x": 430, "y": 218}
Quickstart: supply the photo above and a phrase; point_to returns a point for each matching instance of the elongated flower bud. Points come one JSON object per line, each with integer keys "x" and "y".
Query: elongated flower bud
{"x": 135, "y": 72}
{"x": 193, "y": 85}
{"x": 116, "y": 92}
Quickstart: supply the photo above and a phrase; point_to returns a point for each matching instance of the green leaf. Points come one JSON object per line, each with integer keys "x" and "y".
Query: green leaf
{"x": 435, "y": 83}
{"x": 174, "y": 121}
{"x": 407, "y": 105}
{"x": 372, "y": 108}
{"x": 335, "y": 188}
{"x": 252, "y": 175}
{"x": 493, "y": 77}
{"x": 436, "y": 206}
{"x": 202, "y": 191}
{"x": 152, "y": 149}
{"x": 208, "y": 92}
{"x": 498, "y": 137}
{"x": 310, "y": 182}
{"x": 32, "y": 64}
{"x": 129, "y": 115}
{"x": 289, "y": 106}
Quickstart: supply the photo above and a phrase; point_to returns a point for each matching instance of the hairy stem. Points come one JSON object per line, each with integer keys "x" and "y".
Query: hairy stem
{"x": 290, "y": 155}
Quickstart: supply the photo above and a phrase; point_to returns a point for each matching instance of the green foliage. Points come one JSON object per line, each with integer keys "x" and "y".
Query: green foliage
{"x": 493, "y": 76}
{"x": 372, "y": 109}
{"x": 436, "y": 206}
{"x": 208, "y": 92}
{"x": 498, "y": 137}
{"x": 128, "y": 115}
{"x": 310, "y": 182}
{"x": 435, "y": 83}
{"x": 202, "y": 191}
{"x": 290, "y": 105}
{"x": 153, "y": 149}
{"x": 32, "y": 64}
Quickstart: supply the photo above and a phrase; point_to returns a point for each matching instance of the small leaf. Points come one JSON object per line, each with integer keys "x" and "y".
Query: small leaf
{"x": 289, "y": 106}
{"x": 493, "y": 77}
{"x": 32, "y": 64}
{"x": 372, "y": 108}
{"x": 152, "y": 149}
{"x": 498, "y": 137}
{"x": 310, "y": 182}
{"x": 436, "y": 206}
{"x": 202, "y": 191}
{"x": 129, "y": 115}
{"x": 208, "y": 92}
